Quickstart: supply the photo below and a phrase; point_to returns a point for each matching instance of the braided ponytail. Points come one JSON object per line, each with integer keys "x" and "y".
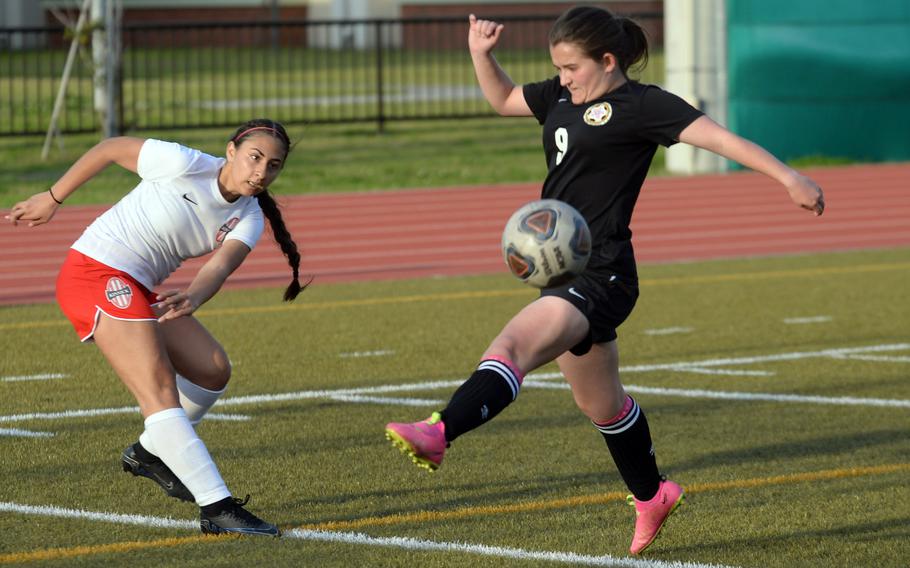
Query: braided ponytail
{"x": 283, "y": 238}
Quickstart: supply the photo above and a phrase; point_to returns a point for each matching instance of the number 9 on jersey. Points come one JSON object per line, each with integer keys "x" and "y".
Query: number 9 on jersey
{"x": 546, "y": 243}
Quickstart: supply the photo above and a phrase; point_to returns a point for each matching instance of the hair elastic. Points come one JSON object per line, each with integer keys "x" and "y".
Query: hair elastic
{"x": 54, "y": 197}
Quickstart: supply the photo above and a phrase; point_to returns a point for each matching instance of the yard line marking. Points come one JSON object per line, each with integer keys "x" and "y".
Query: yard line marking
{"x": 116, "y": 518}
{"x": 734, "y": 395}
{"x": 69, "y": 414}
{"x": 387, "y": 400}
{"x": 239, "y": 400}
{"x": 732, "y": 372}
{"x": 668, "y": 330}
{"x": 399, "y": 518}
{"x": 692, "y": 366}
{"x": 17, "y": 433}
{"x": 878, "y": 358}
{"x": 537, "y": 379}
{"x": 304, "y": 395}
{"x": 358, "y": 354}
{"x": 226, "y": 417}
{"x": 409, "y": 543}
{"x": 483, "y": 294}
{"x": 93, "y": 412}
{"x": 44, "y": 377}
{"x": 813, "y": 319}
{"x": 793, "y": 356}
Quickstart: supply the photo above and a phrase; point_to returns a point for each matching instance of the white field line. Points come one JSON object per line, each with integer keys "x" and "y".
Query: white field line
{"x": 387, "y": 400}
{"x": 93, "y": 412}
{"x": 117, "y": 518}
{"x": 17, "y": 433}
{"x": 812, "y": 319}
{"x": 44, "y": 377}
{"x": 878, "y": 358}
{"x": 846, "y": 352}
{"x": 535, "y": 380}
{"x": 225, "y": 417}
{"x": 668, "y": 330}
{"x": 358, "y": 354}
{"x": 731, "y": 372}
{"x": 404, "y": 543}
{"x": 485, "y": 550}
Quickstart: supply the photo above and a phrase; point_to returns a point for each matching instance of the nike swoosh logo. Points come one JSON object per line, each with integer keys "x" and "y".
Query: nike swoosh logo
{"x": 187, "y": 197}
{"x": 562, "y": 100}
{"x": 575, "y": 292}
{"x": 167, "y": 484}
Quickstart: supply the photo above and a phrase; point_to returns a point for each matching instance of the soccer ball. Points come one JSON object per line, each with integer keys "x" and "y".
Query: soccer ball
{"x": 546, "y": 243}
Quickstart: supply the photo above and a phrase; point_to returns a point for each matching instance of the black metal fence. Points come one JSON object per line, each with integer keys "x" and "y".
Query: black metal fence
{"x": 221, "y": 74}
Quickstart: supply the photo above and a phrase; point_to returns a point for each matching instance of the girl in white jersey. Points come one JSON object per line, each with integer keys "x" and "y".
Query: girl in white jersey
{"x": 600, "y": 132}
{"x": 187, "y": 204}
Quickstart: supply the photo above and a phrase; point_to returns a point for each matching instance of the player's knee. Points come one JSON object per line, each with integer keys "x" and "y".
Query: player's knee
{"x": 216, "y": 374}
{"x": 221, "y": 371}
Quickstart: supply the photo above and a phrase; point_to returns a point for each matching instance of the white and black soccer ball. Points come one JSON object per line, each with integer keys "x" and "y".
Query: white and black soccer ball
{"x": 546, "y": 243}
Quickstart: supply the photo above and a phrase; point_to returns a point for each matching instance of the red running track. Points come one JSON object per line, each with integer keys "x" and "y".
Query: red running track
{"x": 456, "y": 231}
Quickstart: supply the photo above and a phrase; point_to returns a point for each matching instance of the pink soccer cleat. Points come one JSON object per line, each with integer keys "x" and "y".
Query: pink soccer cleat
{"x": 652, "y": 514}
{"x": 424, "y": 441}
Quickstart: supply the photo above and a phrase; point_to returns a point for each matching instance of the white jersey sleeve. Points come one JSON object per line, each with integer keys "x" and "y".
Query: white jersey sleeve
{"x": 176, "y": 212}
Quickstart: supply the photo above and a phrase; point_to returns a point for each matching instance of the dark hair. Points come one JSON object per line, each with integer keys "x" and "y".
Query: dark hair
{"x": 270, "y": 207}
{"x": 262, "y": 126}
{"x": 597, "y": 31}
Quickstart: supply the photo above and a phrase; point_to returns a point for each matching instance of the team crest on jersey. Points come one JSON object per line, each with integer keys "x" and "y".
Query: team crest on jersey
{"x": 118, "y": 293}
{"x": 226, "y": 228}
{"x": 599, "y": 114}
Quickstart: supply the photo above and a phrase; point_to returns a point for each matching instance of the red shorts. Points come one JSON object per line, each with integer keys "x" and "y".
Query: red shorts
{"x": 86, "y": 288}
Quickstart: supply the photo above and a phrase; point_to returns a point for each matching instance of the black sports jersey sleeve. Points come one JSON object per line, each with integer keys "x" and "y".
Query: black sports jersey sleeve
{"x": 541, "y": 97}
{"x": 664, "y": 115}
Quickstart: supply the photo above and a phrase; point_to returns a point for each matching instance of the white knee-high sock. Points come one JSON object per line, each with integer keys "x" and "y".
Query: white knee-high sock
{"x": 196, "y": 400}
{"x": 173, "y": 439}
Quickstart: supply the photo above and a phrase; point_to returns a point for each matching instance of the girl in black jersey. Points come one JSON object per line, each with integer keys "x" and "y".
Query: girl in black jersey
{"x": 600, "y": 132}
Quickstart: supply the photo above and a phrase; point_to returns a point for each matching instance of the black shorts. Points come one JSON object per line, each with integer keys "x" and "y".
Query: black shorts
{"x": 604, "y": 299}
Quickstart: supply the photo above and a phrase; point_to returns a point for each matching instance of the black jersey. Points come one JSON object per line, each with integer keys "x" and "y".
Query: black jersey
{"x": 598, "y": 154}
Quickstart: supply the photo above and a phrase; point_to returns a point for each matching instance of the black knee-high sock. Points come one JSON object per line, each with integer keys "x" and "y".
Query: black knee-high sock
{"x": 629, "y": 440}
{"x": 492, "y": 387}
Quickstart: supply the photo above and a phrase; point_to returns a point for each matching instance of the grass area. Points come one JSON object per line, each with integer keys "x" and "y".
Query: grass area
{"x": 773, "y": 482}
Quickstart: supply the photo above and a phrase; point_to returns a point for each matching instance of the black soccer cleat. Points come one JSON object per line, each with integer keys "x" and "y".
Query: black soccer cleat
{"x": 157, "y": 471}
{"x": 232, "y": 518}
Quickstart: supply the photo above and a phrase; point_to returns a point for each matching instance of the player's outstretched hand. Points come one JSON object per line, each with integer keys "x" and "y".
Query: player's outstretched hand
{"x": 807, "y": 194}
{"x": 174, "y": 304}
{"x": 36, "y": 210}
{"x": 483, "y": 35}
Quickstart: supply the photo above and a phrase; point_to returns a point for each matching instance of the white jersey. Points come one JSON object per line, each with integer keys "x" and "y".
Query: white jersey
{"x": 176, "y": 212}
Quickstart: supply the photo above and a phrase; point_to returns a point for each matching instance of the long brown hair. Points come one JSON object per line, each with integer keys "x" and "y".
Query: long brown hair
{"x": 268, "y": 205}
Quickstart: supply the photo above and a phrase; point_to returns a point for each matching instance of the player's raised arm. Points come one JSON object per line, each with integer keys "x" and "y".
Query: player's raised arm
{"x": 504, "y": 96}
